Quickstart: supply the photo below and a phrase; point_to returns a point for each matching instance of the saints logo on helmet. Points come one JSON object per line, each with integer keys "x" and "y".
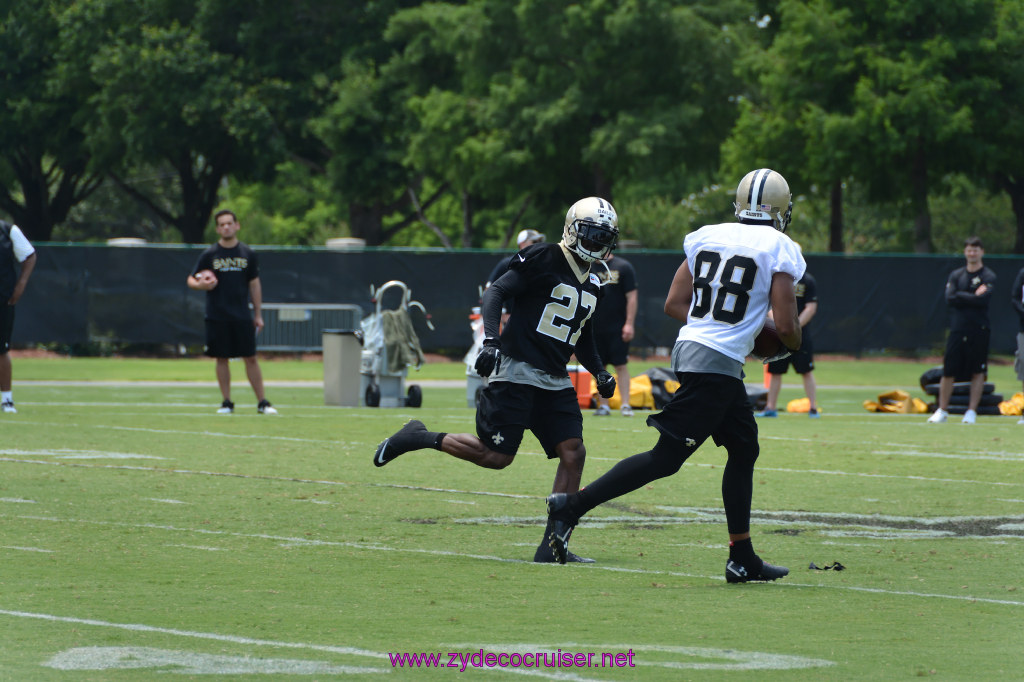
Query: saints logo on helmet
{"x": 764, "y": 195}
{"x": 591, "y": 229}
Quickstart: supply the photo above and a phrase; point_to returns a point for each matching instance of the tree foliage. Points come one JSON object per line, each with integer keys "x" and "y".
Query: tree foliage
{"x": 457, "y": 123}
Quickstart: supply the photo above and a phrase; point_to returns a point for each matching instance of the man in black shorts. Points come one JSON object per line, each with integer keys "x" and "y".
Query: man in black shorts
{"x": 613, "y": 325}
{"x": 555, "y": 295}
{"x": 15, "y": 249}
{"x": 802, "y": 360}
{"x": 229, "y": 273}
{"x": 968, "y": 293}
{"x": 1017, "y": 297}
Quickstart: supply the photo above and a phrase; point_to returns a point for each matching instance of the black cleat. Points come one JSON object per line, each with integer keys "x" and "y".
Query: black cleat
{"x": 735, "y": 572}
{"x": 561, "y": 521}
{"x": 544, "y": 555}
{"x": 402, "y": 441}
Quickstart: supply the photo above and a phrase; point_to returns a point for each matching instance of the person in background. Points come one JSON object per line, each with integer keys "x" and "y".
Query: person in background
{"x": 229, "y": 273}
{"x": 1017, "y": 296}
{"x": 17, "y": 260}
{"x": 968, "y": 294}
{"x": 801, "y": 360}
{"x": 524, "y": 239}
{"x": 613, "y": 325}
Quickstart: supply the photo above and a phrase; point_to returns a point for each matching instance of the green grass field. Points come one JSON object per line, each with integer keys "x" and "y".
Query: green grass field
{"x": 143, "y": 535}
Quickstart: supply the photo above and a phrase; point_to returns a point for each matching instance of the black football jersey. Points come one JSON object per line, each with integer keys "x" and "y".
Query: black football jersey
{"x": 235, "y": 268}
{"x": 549, "y": 315}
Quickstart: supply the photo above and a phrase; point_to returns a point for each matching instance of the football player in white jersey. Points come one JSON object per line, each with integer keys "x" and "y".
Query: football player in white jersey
{"x": 732, "y": 275}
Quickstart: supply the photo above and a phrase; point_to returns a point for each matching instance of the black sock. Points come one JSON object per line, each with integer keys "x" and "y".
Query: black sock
{"x": 625, "y": 477}
{"x": 742, "y": 551}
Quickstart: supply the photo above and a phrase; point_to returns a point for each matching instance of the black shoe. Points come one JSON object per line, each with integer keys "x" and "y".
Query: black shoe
{"x": 404, "y": 440}
{"x": 735, "y": 572}
{"x": 561, "y": 521}
{"x": 265, "y": 407}
{"x": 544, "y": 555}
{"x": 226, "y": 407}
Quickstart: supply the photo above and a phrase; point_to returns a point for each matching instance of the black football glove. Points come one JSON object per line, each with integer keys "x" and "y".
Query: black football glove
{"x": 489, "y": 358}
{"x": 605, "y": 384}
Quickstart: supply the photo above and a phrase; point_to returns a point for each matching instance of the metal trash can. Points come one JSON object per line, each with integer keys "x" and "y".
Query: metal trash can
{"x": 343, "y": 350}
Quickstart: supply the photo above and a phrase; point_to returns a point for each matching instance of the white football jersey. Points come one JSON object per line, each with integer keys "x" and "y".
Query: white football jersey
{"x": 732, "y": 266}
{"x": 22, "y": 248}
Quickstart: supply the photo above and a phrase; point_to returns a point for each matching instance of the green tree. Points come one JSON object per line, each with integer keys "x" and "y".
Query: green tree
{"x": 166, "y": 97}
{"x": 797, "y": 82}
{"x": 538, "y": 103}
{"x": 44, "y": 165}
{"x": 999, "y": 124}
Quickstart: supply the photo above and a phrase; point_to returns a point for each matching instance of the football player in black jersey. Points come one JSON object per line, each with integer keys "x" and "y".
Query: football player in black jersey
{"x": 554, "y": 295}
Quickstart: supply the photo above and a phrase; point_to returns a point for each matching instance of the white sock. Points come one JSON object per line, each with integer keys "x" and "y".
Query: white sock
{"x": 7, "y": 397}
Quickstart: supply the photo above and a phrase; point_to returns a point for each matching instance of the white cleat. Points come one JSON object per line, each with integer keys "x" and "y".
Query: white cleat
{"x": 938, "y": 417}
{"x": 970, "y": 417}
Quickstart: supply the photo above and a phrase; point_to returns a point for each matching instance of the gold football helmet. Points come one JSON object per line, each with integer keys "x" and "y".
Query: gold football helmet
{"x": 764, "y": 195}
{"x": 591, "y": 229}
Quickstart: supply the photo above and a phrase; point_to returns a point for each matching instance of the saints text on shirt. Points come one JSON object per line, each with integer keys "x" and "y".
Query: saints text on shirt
{"x": 230, "y": 264}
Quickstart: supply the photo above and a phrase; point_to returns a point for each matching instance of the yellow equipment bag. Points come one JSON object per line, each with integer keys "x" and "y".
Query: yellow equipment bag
{"x": 897, "y": 401}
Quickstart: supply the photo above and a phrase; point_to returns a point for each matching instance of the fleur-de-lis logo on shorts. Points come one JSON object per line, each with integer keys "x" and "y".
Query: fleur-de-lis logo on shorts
{"x": 497, "y": 438}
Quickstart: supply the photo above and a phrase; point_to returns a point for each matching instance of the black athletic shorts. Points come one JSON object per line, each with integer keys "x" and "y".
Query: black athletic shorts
{"x": 6, "y": 326}
{"x": 709, "y": 405}
{"x": 802, "y": 361}
{"x": 230, "y": 338}
{"x": 611, "y": 348}
{"x": 966, "y": 354}
{"x": 507, "y": 409}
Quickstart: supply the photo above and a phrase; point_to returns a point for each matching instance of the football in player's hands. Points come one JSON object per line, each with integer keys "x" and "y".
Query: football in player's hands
{"x": 206, "y": 277}
{"x": 605, "y": 384}
{"x": 768, "y": 344}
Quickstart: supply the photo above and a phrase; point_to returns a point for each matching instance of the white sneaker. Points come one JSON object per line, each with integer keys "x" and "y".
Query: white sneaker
{"x": 602, "y": 411}
{"x": 970, "y": 417}
{"x": 226, "y": 407}
{"x": 1021, "y": 421}
{"x": 8, "y": 407}
{"x": 938, "y": 417}
{"x": 626, "y": 411}
{"x": 265, "y": 407}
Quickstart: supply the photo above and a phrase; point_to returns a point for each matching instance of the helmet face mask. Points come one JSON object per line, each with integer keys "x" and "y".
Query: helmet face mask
{"x": 763, "y": 195}
{"x": 591, "y": 229}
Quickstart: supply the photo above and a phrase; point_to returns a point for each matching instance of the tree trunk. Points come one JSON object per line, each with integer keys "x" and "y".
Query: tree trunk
{"x": 367, "y": 222}
{"x": 835, "y": 221}
{"x": 39, "y": 212}
{"x": 1016, "y": 191}
{"x": 602, "y": 185}
{"x": 919, "y": 203}
{"x": 467, "y": 220}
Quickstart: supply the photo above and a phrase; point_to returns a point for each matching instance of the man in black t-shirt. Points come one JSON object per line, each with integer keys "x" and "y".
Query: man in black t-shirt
{"x": 613, "y": 325}
{"x": 555, "y": 294}
{"x": 17, "y": 260}
{"x": 968, "y": 293}
{"x": 1017, "y": 297}
{"x": 523, "y": 239}
{"x": 229, "y": 273}
{"x": 802, "y": 360}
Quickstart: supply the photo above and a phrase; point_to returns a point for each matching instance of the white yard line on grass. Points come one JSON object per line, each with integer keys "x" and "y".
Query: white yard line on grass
{"x": 290, "y": 542}
{"x": 508, "y": 495}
